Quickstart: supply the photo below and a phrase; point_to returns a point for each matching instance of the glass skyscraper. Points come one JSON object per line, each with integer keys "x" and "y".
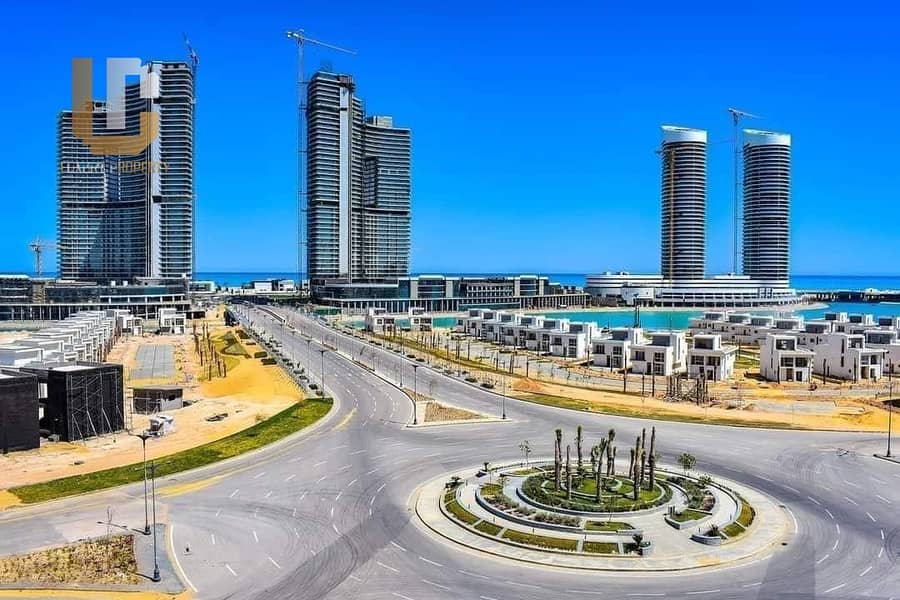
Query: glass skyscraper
{"x": 121, "y": 217}
{"x": 358, "y": 187}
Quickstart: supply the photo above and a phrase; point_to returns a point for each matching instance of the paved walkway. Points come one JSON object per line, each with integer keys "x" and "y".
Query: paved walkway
{"x": 153, "y": 361}
{"x": 673, "y": 549}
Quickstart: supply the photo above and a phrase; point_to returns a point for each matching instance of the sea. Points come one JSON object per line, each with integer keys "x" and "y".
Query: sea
{"x": 660, "y": 319}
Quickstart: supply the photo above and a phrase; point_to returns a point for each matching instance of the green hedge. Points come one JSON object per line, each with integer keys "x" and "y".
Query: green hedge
{"x": 280, "y": 425}
{"x": 600, "y": 548}
{"x": 461, "y": 513}
{"x": 488, "y": 528}
{"x": 540, "y": 540}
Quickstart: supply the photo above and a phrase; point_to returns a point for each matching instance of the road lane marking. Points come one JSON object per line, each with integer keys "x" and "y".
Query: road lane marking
{"x": 829, "y": 514}
{"x": 217, "y": 513}
{"x": 868, "y": 514}
{"x": 821, "y": 560}
{"x": 851, "y": 484}
{"x": 230, "y": 570}
{"x": 289, "y": 477}
{"x": 272, "y": 560}
{"x": 333, "y": 526}
{"x": 357, "y": 452}
{"x": 816, "y": 502}
{"x": 296, "y": 533}
{"x": 212, "y": 538}
{"x": 837, "y": 527}
{"x": 851, "y": 501}
{"x": 584, "y": 592}
{"x": 354, "y": 578}
{"x": 837, "y": 587}
{"x": 319, "y": 464}
{"x": 258, "y": 475}
{"x": 437, "y": 585}
{"x": 883, "y": 499}
{"x": 833, "y": 548}
{"x": 234, "y": 492}
{"x": 702, "y": 592}
{"x": 303, "y": 495}
{"x": 869, "y": 568}
{"x": 882, "y": 534}
{"x": 381, "y": 564}
{"x": 793, "y": 489}
{"x": 880, "y": 552}
{"x": 380, "y": 488}
{"x": 338, "y": 497}
{"x": 754, "y": 584}
{"x": 402, "y": 596}
{"x": 345, "y": 467}
{"x": 396, "y": 545}
{"x": 372, "y": 471}
{"x": 321, "y": 479}
{"x": 255, "y": 537}
{"x": 527, "y": 585}
{"x": 332, "y": 512}
{"x": 269, "y": 493}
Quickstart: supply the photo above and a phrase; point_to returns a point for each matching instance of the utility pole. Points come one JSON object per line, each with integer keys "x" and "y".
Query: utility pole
{"x": 415, "y": 393}
{"x": 299, "y": 36}
{"x": 890, "y": 407}
{"x": 144, "y": 436}
{"x": 736, "y": 116}
{"x": 322, "y": 354}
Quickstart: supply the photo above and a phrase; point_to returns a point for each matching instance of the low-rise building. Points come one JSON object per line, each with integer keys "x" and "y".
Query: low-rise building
{"x": 845, "y": 356}
{"x": 781, "y": 359}
{"x": 614, "y": 351}
{"x": 888, "y": 341}
{"x": 171, "y": 321}
{"x": 710, "y": 359}
{"x": 19, "y": 411}
{"x": 378, "y": 321}
{"x": 665, "y": 354}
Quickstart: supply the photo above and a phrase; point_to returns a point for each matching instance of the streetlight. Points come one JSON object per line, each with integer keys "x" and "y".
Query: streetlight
{"x": 415, "y": 392}
{"x": 156, "y": 576}
{"x": 322, "y": 354}
{"x": 144, "y": 435}
{"x": 503, "y": 397}
{"x": 890, "y": 407}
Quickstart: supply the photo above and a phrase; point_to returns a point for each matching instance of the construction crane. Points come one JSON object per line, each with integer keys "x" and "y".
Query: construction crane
{"x": 195, "y": 60}
{"x": 38, "y": 246}
{"x": 736, "y": 116}
{"x": 300, "y": 37}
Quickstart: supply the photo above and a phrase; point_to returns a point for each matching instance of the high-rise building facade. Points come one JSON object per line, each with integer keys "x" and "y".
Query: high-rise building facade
{"x": 683, "y": 231}
{"x": 767, "y": 190}
{"x": 121, "y": 217}
{"x": 358, "y": 187}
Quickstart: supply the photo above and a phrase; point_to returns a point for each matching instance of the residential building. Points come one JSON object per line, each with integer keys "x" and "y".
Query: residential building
{"x": 683, "y": 232}
{"x": 767, "y": 202}
{"x": 664, "y": 354}
{"x": 614, "y": 351}
{"x": 19, "y": 411}
{"x": 709, "y": 359}
{"x": 358, "y": 188}
{"x": 846, "y": 356}
{"x": 781, "y": 359}
{"x": 126, "y": 216}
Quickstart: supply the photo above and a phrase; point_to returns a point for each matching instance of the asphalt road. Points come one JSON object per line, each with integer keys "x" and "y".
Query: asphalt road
{"x": 326, "y": 515}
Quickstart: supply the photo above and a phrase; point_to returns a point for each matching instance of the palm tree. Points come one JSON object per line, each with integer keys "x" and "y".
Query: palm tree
{"x": 578, "y": 440}
{"x": 595, "y": 451}
{"x": 568, "y": 472}
{"x": 652, "y": 459}
{"x": 557, "y": 458}
{"x": 636, "y": 474}
{"x": 643, "y": 455}
{"x": 601, "y": 448}
{"x": 611, "y": 454}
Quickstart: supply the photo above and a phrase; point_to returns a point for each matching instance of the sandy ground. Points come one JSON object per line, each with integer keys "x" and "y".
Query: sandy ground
{"x": 857, "y": 418}
{"x": 250, "y": 393}
{"x": 7, "y": 337}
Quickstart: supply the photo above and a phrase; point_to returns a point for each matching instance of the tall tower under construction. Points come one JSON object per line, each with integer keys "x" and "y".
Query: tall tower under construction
{"x": 767, "y": 191}
{"x": 683, "y": 234}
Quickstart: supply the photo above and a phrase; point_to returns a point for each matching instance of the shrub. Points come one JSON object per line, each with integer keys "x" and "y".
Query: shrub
{"x": 259, "y": 354}
{"x": 488, "y": 528}
{"x": 471, "y": 379}
{"x": 540, "y": 540}
{"x": 268, "y": 361}
{"x": 600, "y": 548}
{"x": 487, "y": 384}
{"x": 461, "y": 513}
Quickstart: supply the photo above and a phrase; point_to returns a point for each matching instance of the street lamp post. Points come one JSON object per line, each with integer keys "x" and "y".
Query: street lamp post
{"x": 156, "y": 576}
{"x": 415, "y": 393}
{"x": 503, "y": 398}
{"x": 890, "y": 407}
{"x": 322, "y": 354}
{"x": 144, "y": 436}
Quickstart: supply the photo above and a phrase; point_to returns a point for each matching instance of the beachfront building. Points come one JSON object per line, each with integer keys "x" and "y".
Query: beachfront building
{"x": 378, "y": 321}
{"x": 664, "y": 354}
{"x": 888, "y": 341}
{"x": 419, "y": 320}
{"x": 556, "y": 337}
{"x": 710, "y": 359}
{"x": 782, "y": 359}
{"x": 614, "y": 350}
{"x": 846, "y": 356}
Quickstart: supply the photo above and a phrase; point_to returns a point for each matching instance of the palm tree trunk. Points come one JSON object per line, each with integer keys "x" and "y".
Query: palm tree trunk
{"x": 578, "y": 441}
{"x": 557, "y": 458}
{"x": 568, "y": 471}
{"x": 652, "y": 459}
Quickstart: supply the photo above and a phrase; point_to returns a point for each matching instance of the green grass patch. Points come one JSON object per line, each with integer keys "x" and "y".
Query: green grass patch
{"x": 488, "y": 490}
{"x": 449, "y": 495}
{"x": 488, "y": 528}
{"x": 734, "y": 529}
{"x": 747, "y": 514}
{"x": 688, "y": 514}
{"x": 461, "y": 513}
{"x": 541, "y": 541}
{"x": 600, "y": 548}
{"x": 619, "y": 500}
{"x": 523, "y": 472}
{"x": 606, "y": 526}
{"x": 280, "y": 425}
{"x": 231, "y": 346}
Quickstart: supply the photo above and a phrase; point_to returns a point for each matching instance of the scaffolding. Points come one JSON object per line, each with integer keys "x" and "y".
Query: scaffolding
{"x": 88, "y": 400}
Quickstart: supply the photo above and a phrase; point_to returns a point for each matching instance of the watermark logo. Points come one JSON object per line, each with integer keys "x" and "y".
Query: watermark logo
{"x": 83, "y": 106}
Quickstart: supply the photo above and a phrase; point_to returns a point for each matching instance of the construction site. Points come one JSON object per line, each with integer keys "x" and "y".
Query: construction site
{"x": 186, "y": 389}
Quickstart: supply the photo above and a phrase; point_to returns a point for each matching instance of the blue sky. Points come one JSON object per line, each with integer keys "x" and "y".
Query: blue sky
{"x": 533, "y": 128}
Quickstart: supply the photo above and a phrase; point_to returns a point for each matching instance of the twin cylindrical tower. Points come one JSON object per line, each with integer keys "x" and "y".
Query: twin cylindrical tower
{"x": 766, "y": 234}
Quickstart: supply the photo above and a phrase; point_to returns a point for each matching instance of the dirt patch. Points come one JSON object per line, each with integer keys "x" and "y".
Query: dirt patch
{"x": 439, "y": 412}
{"x": 106, "y": 561}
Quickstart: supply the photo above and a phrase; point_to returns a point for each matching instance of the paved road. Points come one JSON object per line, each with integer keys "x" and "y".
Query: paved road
{"x": 326, "y": 515}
